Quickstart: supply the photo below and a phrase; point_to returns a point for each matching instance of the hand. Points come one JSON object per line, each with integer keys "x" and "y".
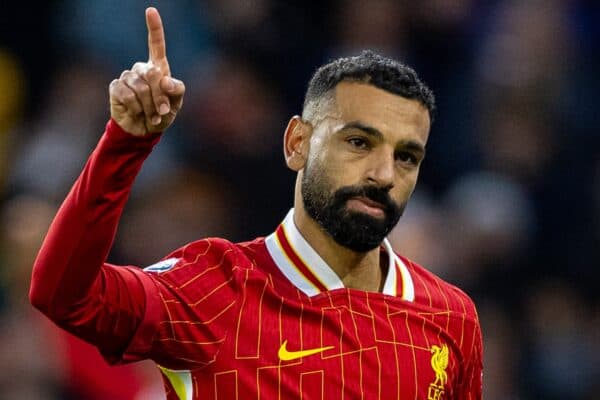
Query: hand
{"x": 146, "y": 99}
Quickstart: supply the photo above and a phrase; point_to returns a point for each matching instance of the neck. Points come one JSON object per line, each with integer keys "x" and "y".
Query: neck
{"x": 357, "y": 270}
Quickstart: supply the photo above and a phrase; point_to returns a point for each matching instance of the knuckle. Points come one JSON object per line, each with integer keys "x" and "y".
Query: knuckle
{"x": 125, "y": 74}
{"x": 153, "y": 74}
{"x": 129, "y": 97}
{"x": 121, "y": 90}
{"x": 139, "y": 66}
{"x": 132, "y": 79}
{"x": 143, "y": 89}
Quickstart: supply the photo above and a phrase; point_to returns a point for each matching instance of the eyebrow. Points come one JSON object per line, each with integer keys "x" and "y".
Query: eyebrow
{"x": 369, "y": 130}
{"x": 376, "y": 133}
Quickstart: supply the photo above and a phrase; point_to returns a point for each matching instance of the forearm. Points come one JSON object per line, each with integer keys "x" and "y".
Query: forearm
{"x": 81, "y": 235}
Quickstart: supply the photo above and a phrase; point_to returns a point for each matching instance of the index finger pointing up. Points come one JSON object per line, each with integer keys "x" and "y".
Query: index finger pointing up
{"x": 156, "y": 40}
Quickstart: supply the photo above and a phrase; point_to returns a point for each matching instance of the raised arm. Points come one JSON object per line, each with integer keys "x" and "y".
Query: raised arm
{"x": 71, "y": 283}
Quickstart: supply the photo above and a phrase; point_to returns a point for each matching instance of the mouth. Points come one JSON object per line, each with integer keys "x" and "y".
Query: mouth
{"x": 367, "y": 206}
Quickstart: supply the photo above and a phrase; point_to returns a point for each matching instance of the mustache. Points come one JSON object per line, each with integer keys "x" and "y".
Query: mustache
{"x": 380, "y": 195}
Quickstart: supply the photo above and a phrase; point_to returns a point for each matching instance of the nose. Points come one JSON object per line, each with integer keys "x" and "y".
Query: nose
{"x": 382, "y": 169}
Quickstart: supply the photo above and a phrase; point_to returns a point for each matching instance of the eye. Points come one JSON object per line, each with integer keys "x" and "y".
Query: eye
{"x": 358, "y": 142}
{"x": 407, "y": 157}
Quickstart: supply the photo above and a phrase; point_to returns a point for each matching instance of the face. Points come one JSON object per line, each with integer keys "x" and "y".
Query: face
{"x": 362, "y": 163}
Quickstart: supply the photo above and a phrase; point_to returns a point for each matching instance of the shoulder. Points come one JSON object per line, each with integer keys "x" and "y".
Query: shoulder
{"x": 433, "y": 291}
{"x": 211, "y": 257}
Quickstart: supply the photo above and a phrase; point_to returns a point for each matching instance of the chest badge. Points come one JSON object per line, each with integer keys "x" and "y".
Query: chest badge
{"x": 439, "y": 363}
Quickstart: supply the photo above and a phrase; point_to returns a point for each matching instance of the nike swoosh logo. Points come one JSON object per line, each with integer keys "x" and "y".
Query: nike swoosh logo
{"x": 286, "y": 355}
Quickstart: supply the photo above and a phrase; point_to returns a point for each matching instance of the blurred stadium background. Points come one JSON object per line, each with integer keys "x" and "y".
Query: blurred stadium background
{"x": 508, "y": 204}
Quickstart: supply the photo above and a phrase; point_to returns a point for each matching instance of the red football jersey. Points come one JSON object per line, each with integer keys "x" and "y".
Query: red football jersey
{"x": 266, "y": 319}
{"x": 269, "y": 319}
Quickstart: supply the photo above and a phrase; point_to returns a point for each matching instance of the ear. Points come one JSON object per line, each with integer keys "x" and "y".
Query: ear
{"x": 296, "y": 142}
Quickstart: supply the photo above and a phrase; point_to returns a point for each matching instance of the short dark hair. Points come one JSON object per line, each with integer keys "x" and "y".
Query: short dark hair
{"x": 374, "y": 69}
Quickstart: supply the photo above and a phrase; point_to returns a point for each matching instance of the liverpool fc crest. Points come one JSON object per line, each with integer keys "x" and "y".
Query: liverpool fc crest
{"x": 439, "y": 363}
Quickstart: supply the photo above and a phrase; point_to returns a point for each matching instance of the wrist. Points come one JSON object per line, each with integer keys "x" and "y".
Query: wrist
{"x": 119, "y": 139}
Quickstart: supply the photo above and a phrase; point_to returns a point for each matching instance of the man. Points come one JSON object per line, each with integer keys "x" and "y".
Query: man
{"x": 322, "y": 308}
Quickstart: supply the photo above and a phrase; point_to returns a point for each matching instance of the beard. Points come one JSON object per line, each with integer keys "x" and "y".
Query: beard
{"x": 354, "y": 230}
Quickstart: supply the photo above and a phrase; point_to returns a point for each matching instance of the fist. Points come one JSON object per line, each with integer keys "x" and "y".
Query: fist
{"x": 146, "y": 98}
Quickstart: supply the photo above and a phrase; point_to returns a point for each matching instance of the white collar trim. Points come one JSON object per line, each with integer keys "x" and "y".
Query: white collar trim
{"x": 305, "y": 268}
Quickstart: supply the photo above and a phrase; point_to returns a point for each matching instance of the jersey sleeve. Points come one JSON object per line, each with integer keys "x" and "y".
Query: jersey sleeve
{"x": 175, "y": 312}
{"x": 71, "y": 283}
{"x": 198, "y": 295}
